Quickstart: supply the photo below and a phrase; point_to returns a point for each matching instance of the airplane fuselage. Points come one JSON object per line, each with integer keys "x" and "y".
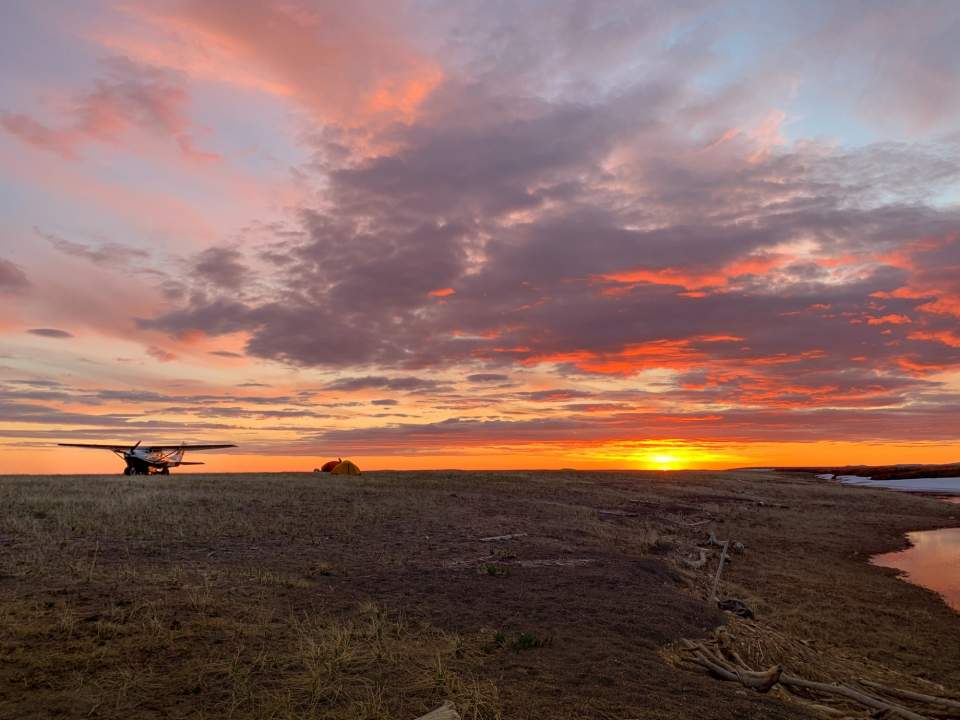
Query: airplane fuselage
{"x": 150, "y": 461}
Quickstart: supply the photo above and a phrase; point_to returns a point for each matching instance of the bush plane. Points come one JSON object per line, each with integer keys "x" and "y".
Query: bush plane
{"x": 152, "y": 459}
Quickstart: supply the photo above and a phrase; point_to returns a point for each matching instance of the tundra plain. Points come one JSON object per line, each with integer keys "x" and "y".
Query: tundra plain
{"x": 375, "y": 597}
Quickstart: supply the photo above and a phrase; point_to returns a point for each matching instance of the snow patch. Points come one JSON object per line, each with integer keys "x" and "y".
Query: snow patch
{"x": 945, "y": 485}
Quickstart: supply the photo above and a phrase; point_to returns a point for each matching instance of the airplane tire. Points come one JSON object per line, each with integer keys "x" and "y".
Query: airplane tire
{"x": 127, "y": 471}
{"x": 165, "y": 471}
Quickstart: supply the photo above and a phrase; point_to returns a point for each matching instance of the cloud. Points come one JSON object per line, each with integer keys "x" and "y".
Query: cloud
{"x": 487, "y": 378}
{"x": 160, "y": 354}
{"x": 128, "y": 95}
{"x": 221, "y": 267}
{"x": 579, "y": 430}
{"x": 148, "y": 396}
{"x": 104, "y": 253}
{"x": 536, "y": 299}
{"x": 217, "y": 316}
{"x": 12, "y": 277}
{"x": 901, "y": 62}
{"x": 92, "y": 425}
{"x": 50, "y": 333}
{"x": 381, "y": 382}
{"x": 350, "y": 67}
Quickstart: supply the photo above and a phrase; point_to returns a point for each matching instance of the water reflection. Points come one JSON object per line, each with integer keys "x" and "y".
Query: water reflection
{"x": 933, "y": 562}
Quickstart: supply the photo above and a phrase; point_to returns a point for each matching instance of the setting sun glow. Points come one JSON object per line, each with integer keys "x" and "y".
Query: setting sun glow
{"x": 665, "y": 461}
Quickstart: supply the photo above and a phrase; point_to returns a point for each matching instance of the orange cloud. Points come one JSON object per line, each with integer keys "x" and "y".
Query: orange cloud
{"x": 926, "y": 276}
{"x": 347, "y": 66}
{"x": 784, "y": 358}
{"x": 943, "y": 336}
{"x": 630, "y": 360}
{"x": 889, "y": 320}
{"x": 693, "y": 280}
{"x": 921, "y": 367}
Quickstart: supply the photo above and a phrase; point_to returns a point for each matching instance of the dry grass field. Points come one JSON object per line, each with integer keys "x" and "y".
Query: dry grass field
{"x": 316, "y": 596}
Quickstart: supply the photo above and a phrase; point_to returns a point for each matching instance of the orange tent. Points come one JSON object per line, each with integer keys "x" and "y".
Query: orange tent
{"x": 346, "y": 467}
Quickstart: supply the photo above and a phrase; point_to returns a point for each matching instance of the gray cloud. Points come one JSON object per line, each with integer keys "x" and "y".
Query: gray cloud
{"x": 50, "y": 333}
{"x": 12, "y": 277}
{"x": 104, "y": 253}
{"x": 221, "y": 267}
{"x": 487, "y": 378}
{"x": 381, "y": 382}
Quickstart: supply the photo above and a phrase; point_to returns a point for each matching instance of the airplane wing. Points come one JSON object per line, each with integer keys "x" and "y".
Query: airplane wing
{"x": 121, "y": 448}
{"x": 115, "y": 448}
{"x": 189, "y": 447}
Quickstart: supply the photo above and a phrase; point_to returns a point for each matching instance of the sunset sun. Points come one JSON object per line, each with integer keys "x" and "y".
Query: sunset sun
{"x": 665, "y": 461}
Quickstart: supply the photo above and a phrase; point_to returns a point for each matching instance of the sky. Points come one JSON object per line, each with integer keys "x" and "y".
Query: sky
{"x": 480, "y": 234}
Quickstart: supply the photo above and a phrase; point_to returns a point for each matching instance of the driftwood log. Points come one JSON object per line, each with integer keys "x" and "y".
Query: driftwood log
{"x": 734, "y": 605}
{"x": 716, "y": 578}
{"x": 445, "y": 712}
{"x": 719, "y": 658}
{"x": 884, "y": 699}
{"x": 910, "y": 695}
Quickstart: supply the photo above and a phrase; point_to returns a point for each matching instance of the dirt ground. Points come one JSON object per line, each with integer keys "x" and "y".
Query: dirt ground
{"x": 302, "y": 595}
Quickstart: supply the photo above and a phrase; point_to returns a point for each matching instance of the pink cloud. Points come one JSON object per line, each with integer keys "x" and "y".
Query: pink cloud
{"x": 161, "y": 355}
{"x": 351, "y": 67}
{"x": 129, "y": 96}
{"x": 62, "y": 141}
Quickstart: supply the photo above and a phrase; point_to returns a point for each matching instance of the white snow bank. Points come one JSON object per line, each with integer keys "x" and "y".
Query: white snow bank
{"x": 945, "y": 485}
{"x": 853, "y": 479}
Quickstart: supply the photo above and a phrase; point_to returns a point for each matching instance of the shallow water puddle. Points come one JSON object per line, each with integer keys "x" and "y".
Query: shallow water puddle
{"x": 932, "y": 562}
